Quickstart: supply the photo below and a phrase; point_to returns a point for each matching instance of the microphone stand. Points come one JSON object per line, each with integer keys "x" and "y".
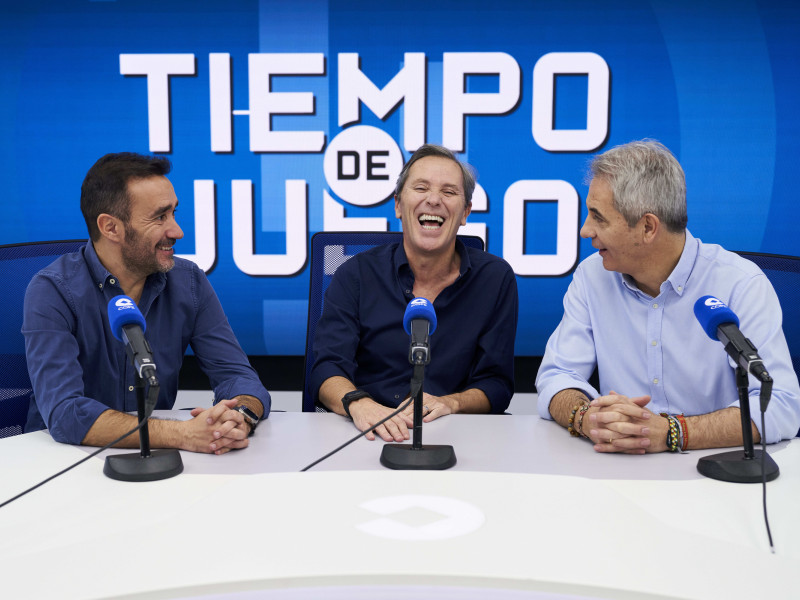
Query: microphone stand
{"x": 416, "y": 456}
{"x": 750, "y": 466}
{"x": 145, "y": 466}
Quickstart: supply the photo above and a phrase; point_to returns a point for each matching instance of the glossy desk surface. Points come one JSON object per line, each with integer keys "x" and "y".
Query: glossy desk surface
{"x": 527, "y": 512}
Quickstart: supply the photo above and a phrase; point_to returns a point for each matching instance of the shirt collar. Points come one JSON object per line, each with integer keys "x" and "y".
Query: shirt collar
{"x": 100, "y": 275}
{"x": 103, "y": 278}
{"x": 680, "y": 274}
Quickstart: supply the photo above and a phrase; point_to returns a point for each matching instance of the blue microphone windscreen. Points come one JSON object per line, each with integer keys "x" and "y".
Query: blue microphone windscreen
{"x": 419, "y": 308}
{"x": 713, "y": 312}
{"x": 123, "y": 311}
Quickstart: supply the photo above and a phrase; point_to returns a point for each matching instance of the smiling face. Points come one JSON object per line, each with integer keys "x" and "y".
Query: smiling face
{"x": 151, "y": 230}
{"x": 431, "y": 205}
{"x": 619, "y": 244}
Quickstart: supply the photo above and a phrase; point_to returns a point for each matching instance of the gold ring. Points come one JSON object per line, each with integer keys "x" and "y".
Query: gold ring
{"x": 610, "y": 440}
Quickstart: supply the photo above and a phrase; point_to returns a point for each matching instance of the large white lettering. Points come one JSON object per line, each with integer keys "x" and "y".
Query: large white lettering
{"x": 219, "y": 96}
{"x": 205, "y": 239}
{"x": 599, "y": 91}
{"x": 408, "y": 86}
{"x": 264, "y": 103}
{"x": 566, "y": 254}
{"x": 157, "y": 68}
{"x": 244, "y": 254}
{"x": 457, "y": 103}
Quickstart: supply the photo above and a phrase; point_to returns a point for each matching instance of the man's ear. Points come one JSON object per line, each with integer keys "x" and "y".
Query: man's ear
{"x": 651, "y": 227}
{"x": 397, "y": 212}
{"x": 467, "y": 211}
{"x": 110, "y": 227}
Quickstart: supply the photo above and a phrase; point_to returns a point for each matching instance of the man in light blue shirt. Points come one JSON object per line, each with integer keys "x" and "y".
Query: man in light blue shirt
{"x": 629, "y": 312}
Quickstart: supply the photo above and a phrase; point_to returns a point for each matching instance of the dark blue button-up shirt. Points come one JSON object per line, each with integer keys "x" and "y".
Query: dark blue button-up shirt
{"x": 79, "y": 369}
{"x": 360, "y": 335}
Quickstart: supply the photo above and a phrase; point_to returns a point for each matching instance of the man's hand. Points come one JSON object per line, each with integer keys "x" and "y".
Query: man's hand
{"x": 218, "y": 429}
{"x": 617, "y": 423}
{"x": 366, "y": 412}
{"x": 433, "y": 407}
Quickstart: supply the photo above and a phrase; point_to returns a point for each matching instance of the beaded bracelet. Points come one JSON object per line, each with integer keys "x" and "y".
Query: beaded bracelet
{"x": 571, "y": 426}
{"x": 582, "y": 413}
{"x": 684, "y": 432}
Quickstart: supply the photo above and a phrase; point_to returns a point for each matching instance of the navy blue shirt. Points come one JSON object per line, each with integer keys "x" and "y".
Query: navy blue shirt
{"x": 79, "y": 369}
{"x": 360, "y": 335}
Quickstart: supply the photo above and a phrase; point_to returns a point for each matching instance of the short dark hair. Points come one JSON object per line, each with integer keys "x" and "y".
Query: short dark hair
{"x": 467, "y": 176}
{"x": 105, "y": 187}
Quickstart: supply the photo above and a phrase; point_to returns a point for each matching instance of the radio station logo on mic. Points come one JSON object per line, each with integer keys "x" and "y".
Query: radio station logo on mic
{"x": 714, "y": 303}
{"x": 124, "y": 303}
{"x": 418, "y": 302}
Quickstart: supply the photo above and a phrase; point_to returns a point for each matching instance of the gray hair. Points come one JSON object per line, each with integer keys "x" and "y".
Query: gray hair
{"x": 644, "y": 177}
{"x": 467, "y": 176}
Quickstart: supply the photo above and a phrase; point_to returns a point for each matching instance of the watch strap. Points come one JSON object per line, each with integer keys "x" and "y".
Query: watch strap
{"x": 351, "y": 397}
{"x": 249, "y": 416}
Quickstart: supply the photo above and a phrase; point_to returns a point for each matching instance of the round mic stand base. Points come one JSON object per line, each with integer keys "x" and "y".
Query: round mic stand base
{"x": 428, "y": 457}
{"x": 160, "y": 464}
{"x": 736, "y": 467}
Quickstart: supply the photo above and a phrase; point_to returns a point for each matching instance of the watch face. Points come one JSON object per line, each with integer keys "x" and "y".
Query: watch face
{"x": 248, "y": 413}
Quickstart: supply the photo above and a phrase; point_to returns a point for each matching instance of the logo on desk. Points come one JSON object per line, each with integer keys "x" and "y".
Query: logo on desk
{"x": 421, "y": 518}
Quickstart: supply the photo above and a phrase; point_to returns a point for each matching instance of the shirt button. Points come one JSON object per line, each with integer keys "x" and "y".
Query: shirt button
{"x": 112, "y": 281}
{"x": 654, "y": 343}
{"x": 655, "y": 380}
{"x": 408, "y": 291}
{"x": 655, "y": 305}
{"x": 130, "y": 388}
{"x": 100, "y": 285}
{"x": 396, "y": 396}
{"x": 680, "y": 288}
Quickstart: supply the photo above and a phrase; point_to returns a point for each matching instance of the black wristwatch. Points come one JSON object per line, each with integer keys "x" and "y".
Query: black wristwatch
{"x": 352, "y": 397}
{"x": 249, "y": 417}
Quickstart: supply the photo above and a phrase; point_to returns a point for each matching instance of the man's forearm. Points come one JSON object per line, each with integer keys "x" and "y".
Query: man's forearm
{"x": 563, "y": 402}
{"x": 469, "y": 401}
{"x": 720, "y": 429}
{"x": 331, "y": 392}
{"x": 112, "y": 424}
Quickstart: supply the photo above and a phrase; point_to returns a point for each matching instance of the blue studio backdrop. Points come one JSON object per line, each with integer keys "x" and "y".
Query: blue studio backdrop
{"x": 287, "y": 118}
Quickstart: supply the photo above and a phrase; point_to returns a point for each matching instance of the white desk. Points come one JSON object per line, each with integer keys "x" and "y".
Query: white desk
{"x": 500, "y": 524}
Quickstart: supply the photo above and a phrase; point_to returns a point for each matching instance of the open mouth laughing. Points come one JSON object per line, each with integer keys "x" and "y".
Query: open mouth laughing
{"x": 431, "y": 222}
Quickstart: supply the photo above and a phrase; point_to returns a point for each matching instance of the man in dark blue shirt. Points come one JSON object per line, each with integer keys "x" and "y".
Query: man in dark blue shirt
{"x": 361, "y": 364}
{"x": 83, "y": 382}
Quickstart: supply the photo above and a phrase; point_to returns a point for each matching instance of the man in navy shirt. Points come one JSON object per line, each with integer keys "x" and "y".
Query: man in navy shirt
{"x": 83, "y": 382}
{"x": 361, "y": 364}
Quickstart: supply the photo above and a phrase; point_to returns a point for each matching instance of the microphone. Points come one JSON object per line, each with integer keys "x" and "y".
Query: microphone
{"x": 419, "y": 322}
{"x": 721, "y": 323}
{"x": 128, "y": 325}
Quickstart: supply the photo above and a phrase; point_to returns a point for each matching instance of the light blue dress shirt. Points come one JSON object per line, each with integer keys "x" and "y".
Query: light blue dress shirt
{"x": 655, "y": 346}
